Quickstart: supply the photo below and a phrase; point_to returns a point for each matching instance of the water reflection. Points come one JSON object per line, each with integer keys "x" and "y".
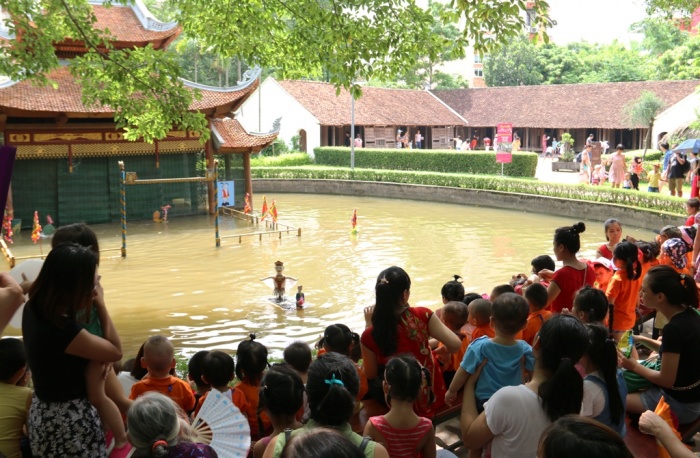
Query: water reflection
{"x": 175, "y": 282}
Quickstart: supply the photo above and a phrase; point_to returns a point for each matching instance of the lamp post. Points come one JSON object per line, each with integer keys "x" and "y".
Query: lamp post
{"x": 352, "y": 132}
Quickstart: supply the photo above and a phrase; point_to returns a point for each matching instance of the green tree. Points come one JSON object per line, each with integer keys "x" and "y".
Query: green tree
{"x": 446, "y": 81}
{"x": 681, "y": 63}
{"x": 615, "y": 63}
{"x": 660, "y": 34}
{"x": 559, "y": 64}
{"x": 643, "y": 112}
{"x": 347, "y": 40}
{"x": 513, "y": 65}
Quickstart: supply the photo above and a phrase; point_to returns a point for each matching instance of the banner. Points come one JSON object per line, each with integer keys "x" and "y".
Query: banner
{"x": 504, "y": 133}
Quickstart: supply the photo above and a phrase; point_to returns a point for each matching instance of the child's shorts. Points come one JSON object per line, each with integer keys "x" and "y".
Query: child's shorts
{"x": 650, "y": 189}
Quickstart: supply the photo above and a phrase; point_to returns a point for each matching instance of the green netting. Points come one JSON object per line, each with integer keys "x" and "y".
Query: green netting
{"x": 34, "y": 186}
{"x": 91, "y": 193}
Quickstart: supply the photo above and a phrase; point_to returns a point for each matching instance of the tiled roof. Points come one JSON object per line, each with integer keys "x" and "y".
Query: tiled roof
{"x": 125, "y": 26}
{"x": 572, "y": 106}
{"x": 231, "y": 134}
{"x": 376, "y": 107}
{"x": 26, "y": 96}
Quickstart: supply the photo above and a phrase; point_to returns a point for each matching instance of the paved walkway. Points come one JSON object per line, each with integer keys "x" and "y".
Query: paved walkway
{"x": 544, "y": 173}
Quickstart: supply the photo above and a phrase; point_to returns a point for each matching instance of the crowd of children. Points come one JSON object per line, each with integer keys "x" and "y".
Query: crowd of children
{"x": 523, "y": 342}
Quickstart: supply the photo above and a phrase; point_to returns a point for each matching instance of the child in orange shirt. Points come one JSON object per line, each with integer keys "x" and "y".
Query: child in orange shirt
{"x": 536, "y": 296}
{"x": 480, "y": 318}
{"x": 217, "y": 372}
{"x": 251, "y": 359}
{"x": 623, "y": 289}
{"x": 454, "y": 316}
{"x": 159, "y": 358}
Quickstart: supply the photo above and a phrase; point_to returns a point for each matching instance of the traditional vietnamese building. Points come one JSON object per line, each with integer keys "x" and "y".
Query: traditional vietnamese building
{"x": 320, "y": 117}
{"x": 579, "y": 109}
{"x": 67, "y": 153}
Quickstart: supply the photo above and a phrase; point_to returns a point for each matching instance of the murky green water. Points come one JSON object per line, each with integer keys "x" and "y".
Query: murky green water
{"x": 175, "y": 282}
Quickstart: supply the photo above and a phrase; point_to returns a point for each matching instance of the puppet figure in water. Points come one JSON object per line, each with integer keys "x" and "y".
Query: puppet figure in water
{"x": 280, "y": 282}
{"x": 300, "y": 298}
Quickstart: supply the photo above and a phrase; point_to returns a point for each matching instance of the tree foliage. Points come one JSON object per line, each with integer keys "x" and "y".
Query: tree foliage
{"x": 681, "y": 63}
{"x": 345, "y": 40}
{"x": 643, "y": 112}
{"x": 660, "y": 34}
{"x": 513, "y": 65}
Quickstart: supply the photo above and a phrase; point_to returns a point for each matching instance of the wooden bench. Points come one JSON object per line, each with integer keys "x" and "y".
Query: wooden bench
{"x": 641, "y": 445}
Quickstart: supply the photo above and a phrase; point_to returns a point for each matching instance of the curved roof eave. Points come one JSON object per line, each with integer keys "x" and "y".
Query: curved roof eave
{"x": 249, "y": 78}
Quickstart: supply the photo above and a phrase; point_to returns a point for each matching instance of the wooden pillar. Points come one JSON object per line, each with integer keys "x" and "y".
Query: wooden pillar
{"x": 211, "y": 195}
{"x": 227, "y": 167}
{"x": 247, "y": 176}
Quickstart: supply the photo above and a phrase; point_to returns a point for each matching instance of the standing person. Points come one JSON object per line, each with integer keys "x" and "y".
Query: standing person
{"x": 693, "y": 177}
{"x": 678, "y": 166}
{"x": 613, "y": 235}
{"x": 487, "y": 143}
{"x": 516, "y": 142}
{"x": 358, "y": 141}
{"x": 554, "y": 145}
{"x": 399, "y": 144}
{"x": 574, "y": 274}
{"x": 589, "y": 140}
{"x": 654, "y": 178}
{"x": 675, "y": 296}
{"x": 545, "y": 138}
{"x": 62, "y": 422}
{"x": 636, "y": 171}
{"x": 404, "y": 433}
{"x": 586, "y": 162}
{"x": 616, "y": 161}
{"x": 458, "y": 143}
{"x": 346, "y": 142}
{"x": 394, "y": 327}
{"x": 623, "y": 288}
{"x": 515, "y": 416}
{"x": 419, "y": 140}
{"x": 474, "y": 142}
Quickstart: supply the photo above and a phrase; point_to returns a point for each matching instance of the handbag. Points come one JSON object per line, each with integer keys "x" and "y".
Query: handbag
{"x": 636, "y": 382}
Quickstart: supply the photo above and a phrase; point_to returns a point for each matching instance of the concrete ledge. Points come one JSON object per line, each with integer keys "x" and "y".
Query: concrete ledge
{"x": 575, "y": 209}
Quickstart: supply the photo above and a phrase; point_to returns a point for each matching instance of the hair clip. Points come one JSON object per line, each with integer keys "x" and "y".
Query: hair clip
{"x": 158, "y": 443}
{"x": 334, "y": 381}
{"x": 383, "y": 281}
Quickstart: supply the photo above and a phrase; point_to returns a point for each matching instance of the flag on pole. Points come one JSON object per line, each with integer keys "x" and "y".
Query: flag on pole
{"x": 36, "y": 228}
{"x": 247, "y": 208}
{"x": 263, "y": 212}
{"x": 273, "y": 211}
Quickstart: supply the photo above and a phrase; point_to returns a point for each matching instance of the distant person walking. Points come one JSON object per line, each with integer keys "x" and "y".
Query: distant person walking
{"x": 545, "y": 138}
{"x": 586, "y": 162}
{"x": 516, "y": 143}
{"x": 347, "y": 139}
{"x": 616, "y": 161}
{"x": 398, "y": 138}
{"x": 419, "y": 140}
{"x": 589, "y": 140}
{"x": 358, "y": 141}
{"x": 487, "y": 143}
{"x": 458, "y": 143}
{"x": 678, "y": 167}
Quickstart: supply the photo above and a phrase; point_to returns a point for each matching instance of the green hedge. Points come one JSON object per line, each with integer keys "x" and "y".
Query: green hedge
{"x": 444, "y": 161}
{"x": 283, "y": 160}
{"x": 639, "y": 199}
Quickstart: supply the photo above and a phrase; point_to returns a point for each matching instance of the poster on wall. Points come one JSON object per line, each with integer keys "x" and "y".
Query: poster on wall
{"x": 225, "y": 196}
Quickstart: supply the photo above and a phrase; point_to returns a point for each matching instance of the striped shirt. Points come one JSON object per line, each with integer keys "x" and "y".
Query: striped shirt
{"x": 402, "y": 443}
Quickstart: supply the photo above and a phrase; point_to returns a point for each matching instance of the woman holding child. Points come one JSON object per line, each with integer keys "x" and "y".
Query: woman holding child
{"x": 62, "y": 422}
{"x": 515, "y": 416}
{"x": 394, "y": 328}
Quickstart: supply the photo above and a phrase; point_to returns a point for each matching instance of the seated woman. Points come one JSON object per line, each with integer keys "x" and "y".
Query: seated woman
{"x": 515, "y": 417}
{"x": 398, "y": 328}
{"x": 673, "y": 295}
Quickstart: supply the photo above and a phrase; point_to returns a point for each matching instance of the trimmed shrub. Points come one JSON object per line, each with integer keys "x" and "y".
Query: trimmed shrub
{"x": 444, "y": 161}
{"x": 630, "y": 198}
{"x": 283, "y": 160}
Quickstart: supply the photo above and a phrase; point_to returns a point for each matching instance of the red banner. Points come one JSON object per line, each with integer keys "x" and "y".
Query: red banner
{"x": 504, "y": 133}
{"x": 504, "y": 158}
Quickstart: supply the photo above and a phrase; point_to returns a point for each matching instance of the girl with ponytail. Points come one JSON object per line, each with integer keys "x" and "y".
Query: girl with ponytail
{"x": 623, "y": 288}
{"x": 394, "y": 328}
{"x": 674, "y": 296}
{"x": 574, "y": 274}
{"x": 404, "y": 433}
{"x": 604, "y": 388}
{"x": 515, "y": 416}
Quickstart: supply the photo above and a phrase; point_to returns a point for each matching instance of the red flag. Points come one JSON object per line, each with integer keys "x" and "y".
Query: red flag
{"x": 273, "y": 211}
{"x": 36, "y": 229}
{"x": 263, "y": 212}
{"x": 247, "y": 208}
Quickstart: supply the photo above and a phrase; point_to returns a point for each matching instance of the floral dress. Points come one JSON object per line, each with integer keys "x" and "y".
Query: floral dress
{"x": 413, "y": 338}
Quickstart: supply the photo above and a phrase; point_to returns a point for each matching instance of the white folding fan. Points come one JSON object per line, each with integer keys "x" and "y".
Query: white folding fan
{"x": 221, "y": 425}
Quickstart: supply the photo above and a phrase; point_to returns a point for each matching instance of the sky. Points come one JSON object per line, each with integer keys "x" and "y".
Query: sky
{"x": 596, "y": 21}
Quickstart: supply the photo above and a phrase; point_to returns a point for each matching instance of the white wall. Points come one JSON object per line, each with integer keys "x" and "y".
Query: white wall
{"x": 679, "y": 115}
{"x": 276, "y": 103}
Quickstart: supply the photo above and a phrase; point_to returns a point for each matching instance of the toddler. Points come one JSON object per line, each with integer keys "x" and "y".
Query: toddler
{"x": 159, "y": 358}
{"x": 298, "y": 356}
{"x": 627, "y": 182}
{"x": 591, "y": 306}
{"x": 194, "y": 375}
{"x": 454, "y": 316}
{"x": 603, "y": 269}
{"x": 480, "y": 318}
{"x": 340, "y": 339}
{"x": 692, "y": 206}
{"x": 281, "y": 396}
{"x": 536, "y": 296}
{"x": 217, "y": 372}
{"x": 500, "y": 289}
{"x": 654, "y": 177}
{"x": 405, "y": 434}
{"x": 15, "y": 397}
{"x": 251, "y": 363}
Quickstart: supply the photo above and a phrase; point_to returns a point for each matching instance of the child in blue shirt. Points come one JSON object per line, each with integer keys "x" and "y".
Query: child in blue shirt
{"x": 503, "y": 352}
